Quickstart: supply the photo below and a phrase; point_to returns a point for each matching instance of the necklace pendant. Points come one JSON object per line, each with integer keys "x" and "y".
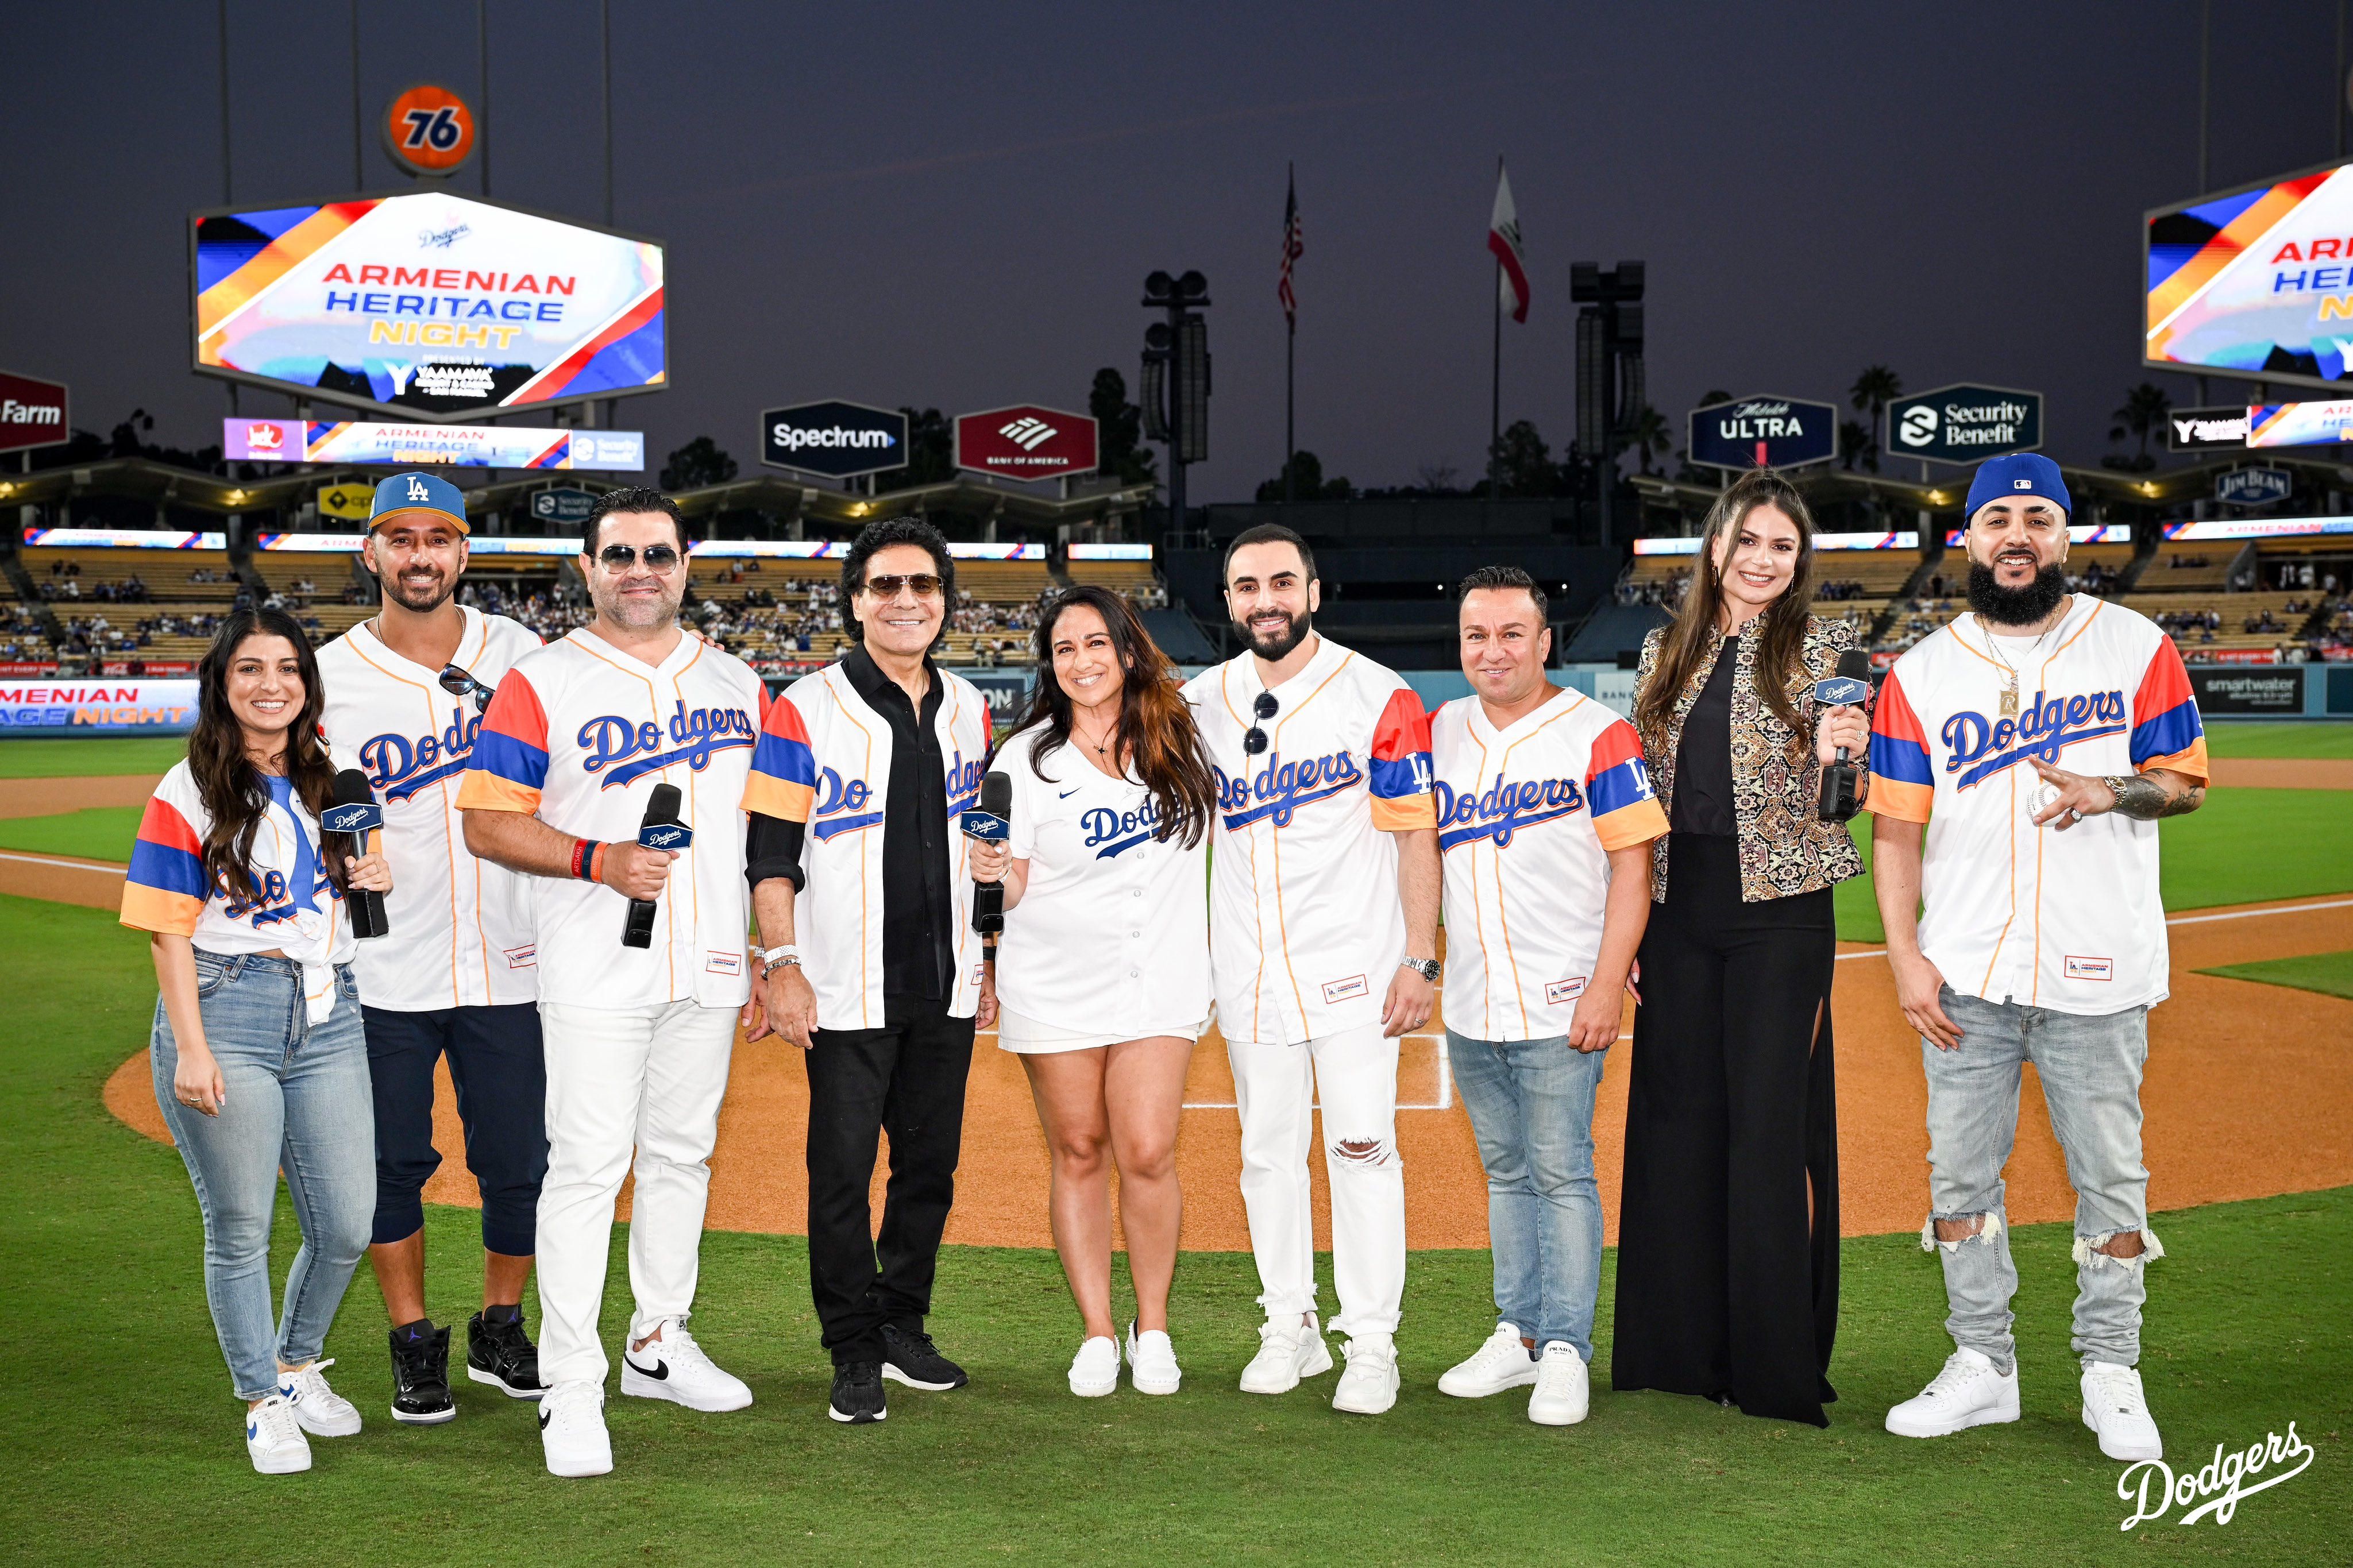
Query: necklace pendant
{"x": 2010, "y": 700}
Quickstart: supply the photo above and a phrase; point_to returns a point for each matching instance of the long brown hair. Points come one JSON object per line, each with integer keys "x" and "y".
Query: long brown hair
{"x": 1780, "y": 631}
{"x": 1156, "y": 725}
{"x": 234, "y": 791}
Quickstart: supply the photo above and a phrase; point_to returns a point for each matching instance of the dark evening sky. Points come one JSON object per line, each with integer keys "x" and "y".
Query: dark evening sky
{"x": 954, "y": 206}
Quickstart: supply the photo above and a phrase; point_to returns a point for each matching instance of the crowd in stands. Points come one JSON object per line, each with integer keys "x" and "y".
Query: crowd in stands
{"x": 1663, "y": 594}
{"x": 1843, "y": 589}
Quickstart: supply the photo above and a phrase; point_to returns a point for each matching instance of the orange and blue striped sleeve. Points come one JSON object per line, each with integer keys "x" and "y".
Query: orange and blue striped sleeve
{"x": 165, "y": 889}
{"x": 1617, "y": 790}
{"x": 1400, "y": 768}
{"x": 510, "y": 765}
{"x": 2167, "y": 731}
{"x": 1901, "y": 786}
{"x": 782, "y": 781}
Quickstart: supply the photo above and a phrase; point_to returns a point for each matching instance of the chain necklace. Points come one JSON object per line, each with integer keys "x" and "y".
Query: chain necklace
{"x": 2008, "y": 706}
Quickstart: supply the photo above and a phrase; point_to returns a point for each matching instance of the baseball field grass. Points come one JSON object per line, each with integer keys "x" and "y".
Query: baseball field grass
{"x": 126, "y": 1444}
{"x": 2330, "y": 973}
{"x": 92, "y": 758}
{"x": 96, "y": 833}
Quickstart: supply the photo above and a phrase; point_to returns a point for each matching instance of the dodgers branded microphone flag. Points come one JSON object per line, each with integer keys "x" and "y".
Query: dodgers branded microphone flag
{"x": 1503, "y": 239}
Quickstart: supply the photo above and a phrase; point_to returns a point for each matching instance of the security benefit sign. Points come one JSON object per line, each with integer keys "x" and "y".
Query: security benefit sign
{"x": 1764, "y": 433}
{"x": 433, "y": 306}
{"x": 1962, "y": 423}
{"x": 32, "y": 413}
{"x": 1026, "y": 442}
{"x": 834, "y": 438}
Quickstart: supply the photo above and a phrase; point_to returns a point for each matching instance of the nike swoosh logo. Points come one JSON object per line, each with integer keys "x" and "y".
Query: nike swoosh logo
{"x": 542, "y": 1420}
{"x": 659, "y": 1371}
{"x": 253, "y": 1432}
{"x": 1066, "y": 794}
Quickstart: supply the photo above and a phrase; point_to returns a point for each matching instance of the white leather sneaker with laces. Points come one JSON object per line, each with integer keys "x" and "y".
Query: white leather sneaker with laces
{"x": 1499, "y": 1364}
{"x": 572, "y": 1429}
{"x": 320, "y": 1409}
{"x": 1287, "y": 1352}
{"x": 1094, "y": 1370}
{"x": 1369, "y": 1386}
{"x": 675, "y": 1368}
{"x": 274, "y": 1440}
{"x": 1563, "y": 1391}
{"x": 2115, "y": 1407}
{"x": 1152, "y": 1362}
{"x": 1968, "y": 1393}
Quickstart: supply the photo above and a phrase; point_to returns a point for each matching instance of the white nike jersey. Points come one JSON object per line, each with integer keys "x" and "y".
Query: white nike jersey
{"x": 1526, "y": 817}
{"x": 580, "y": 734}
{"x": 2068, "y": 921}
{"x": 1304, "y": 923}
{"x": 460, "y": 931}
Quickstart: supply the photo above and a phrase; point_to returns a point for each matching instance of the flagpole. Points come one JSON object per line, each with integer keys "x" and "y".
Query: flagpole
{"x": 1289, "y": 356}
{"x": 1495, "y": 388}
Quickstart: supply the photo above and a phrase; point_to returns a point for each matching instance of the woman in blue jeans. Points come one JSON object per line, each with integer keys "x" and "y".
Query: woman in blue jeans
{"x": 259, "y": 1061}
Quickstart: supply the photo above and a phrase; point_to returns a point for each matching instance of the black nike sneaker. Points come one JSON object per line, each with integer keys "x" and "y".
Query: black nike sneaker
{"x": 420, "y": 1374}
{"x": 858, "y": 1394}
{"x": 910, "y": 1357}
{"x": 503, "y": 1355}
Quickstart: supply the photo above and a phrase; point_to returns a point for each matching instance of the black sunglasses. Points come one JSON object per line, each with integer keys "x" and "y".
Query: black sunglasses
{"x": 1254, "y": 738}
{"x": 458, "y": 683}
{"x": 659, "y": 558}
{"x": 923, "y": 585}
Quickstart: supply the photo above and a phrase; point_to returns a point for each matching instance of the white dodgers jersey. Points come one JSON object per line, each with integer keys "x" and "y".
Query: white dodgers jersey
{"x": 1526, "y": 817}
{"x": 460, "y": 933}
{"x": 2068, "y": 921}
{"x": 1304, "y": 923}
{"x": 580, "y": 734}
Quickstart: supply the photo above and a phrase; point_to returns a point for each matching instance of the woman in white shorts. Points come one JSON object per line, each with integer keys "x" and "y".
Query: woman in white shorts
{"x": 1102, "y": 975}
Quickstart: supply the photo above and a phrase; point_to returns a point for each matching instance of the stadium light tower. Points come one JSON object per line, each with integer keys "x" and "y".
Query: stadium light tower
{"x": 1175, "y": 390}
{"x": 1609, "y": 389}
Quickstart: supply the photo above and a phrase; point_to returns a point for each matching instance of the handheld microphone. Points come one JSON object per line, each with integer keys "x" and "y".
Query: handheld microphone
{"x": 1850, "y": 687}
{"x": 355, "y": 811}
{"x": 992, "y": 822}
{"x": 660, "y": 830}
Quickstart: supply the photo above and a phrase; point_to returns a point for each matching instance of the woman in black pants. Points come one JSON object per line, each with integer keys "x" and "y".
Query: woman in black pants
{"x": 1727, "y": 1255}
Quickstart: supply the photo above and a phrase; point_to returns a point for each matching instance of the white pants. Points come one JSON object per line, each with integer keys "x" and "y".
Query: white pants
{"x": 1275, "y": 1086}
{"x": 650, "y": 1077}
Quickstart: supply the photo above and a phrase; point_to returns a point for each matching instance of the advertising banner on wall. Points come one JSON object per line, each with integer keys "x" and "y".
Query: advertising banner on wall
{"x": 1026, "y": 442}
{"x": 1962, "y": 423}
{"x": 2206, "y": 430}
{"x": 33, "y": 412}
{"x": 2254, "y": 691}
{"x": 2300, "y": 424}
{"x": 418, "y": 446}
{"x": 834, "y": 438}
{"x": 434, "y": 305}
{"x": 31, "y": 708}
{"x": 1764, "y": 433}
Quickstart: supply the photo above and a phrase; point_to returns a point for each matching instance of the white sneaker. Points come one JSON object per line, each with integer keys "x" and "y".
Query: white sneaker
{"x": 572, "y": 1429}
{"x": 1968, "y": 1393}
{"x": 1152, "y": 1362}
{"x": 1499, "y": 1364}
{"x": 2116, "y": 1407}
{"x": 1287, "y": 1352}
{"x": 318, "y": 1408}
{"x": 273, "y": 1438}
{"x": 1369, "y": 1386}
{"x": 1563, "y": 1387}
{"x": 674, "y": 1367}
{"x": 1094, "y": 1370}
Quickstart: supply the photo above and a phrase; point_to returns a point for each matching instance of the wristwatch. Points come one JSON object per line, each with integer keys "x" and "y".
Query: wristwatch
{"x": 2116, "y": 783}
{"x": 774, "y": 958}
{"x": 1428, "y": 968}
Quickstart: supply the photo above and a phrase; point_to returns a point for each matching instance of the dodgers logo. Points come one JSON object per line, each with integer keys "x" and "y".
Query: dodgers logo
{"x": 963, "y": 782}
{"x": 1503, "y": 810}
{"x": 1277, "y": 793}
{"x": 416, "y": 491}
{"x": 624, "y": 752}
{"x": 1978, "y": 748}
{"x": 1112, "y": 833}
{"x": 269, "y": 907}
{"x": 397, "y": 767}
{"x": 841, "y": 805}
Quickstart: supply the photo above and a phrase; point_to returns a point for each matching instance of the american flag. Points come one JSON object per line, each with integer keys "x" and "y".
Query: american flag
{"x": 1294, "y": 247}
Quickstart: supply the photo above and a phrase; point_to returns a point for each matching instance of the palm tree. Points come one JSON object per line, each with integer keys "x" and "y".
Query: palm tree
{"x": 1648, "y": 435}
{"x": 1873, "y": 391}
{"x": 2147, "y": 407}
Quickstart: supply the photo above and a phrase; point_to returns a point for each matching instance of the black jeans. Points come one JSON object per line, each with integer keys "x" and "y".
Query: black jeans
{"x": 1728, "y": 1229}
{"x": 500, "y": 1071}
{"x": 906, "y": 1078}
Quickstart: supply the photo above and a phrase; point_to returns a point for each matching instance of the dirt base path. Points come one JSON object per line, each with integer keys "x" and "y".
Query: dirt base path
{"x": 2283, "y": 772}
{"x": 2246, "y": 1096}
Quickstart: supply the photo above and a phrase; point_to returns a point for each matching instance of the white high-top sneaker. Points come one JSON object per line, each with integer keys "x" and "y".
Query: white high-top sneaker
{"x": 1369, "y": 1386}
{"x": 321, "y": 1410}
{"x": 1968, "y": 1393}
{"x": 675, "y": 1368}
{"x": 2116, "y": 1407}
{"x": 572, "y": 1429}
{"x": 1499, "y": 1364}
{"x": 273, "y": 1438}
{"x": 1287, "y": 1352}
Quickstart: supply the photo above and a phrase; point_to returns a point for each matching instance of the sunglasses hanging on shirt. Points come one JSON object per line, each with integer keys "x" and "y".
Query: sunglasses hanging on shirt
{"x": 458, "y": 683}
{"x": 1254, "y": 738}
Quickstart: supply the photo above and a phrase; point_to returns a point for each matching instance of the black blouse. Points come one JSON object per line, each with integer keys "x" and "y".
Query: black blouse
{"x": 1704, "y": 802}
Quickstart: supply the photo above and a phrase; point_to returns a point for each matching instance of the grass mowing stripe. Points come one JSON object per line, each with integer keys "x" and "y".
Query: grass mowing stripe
{"x": 98, "y": 833}
{"x": 99, "y": 757}
{"x": 2248, "y": 1327}
{"x": 2314, "y": 740}
{"x": 2330, "y": 973}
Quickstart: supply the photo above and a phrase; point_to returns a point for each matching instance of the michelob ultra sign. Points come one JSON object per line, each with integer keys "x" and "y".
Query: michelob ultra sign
{"x": 2256, "y": 281}
{"x": 433, "y": 305}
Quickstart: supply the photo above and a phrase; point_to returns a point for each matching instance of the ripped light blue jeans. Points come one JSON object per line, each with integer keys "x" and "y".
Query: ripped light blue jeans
{"x": 2090, "y": 1068}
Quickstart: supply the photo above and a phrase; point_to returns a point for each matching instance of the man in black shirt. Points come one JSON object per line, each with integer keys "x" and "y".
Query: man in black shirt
{"x": 881, "y": 982}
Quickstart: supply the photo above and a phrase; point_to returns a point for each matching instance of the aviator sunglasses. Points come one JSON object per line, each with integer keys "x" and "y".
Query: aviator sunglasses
{"x": 922, "y": 584}
{"x": 1254, "y": 738}
{"x": 458, "y": 683}
{"x": 661, "y": 558}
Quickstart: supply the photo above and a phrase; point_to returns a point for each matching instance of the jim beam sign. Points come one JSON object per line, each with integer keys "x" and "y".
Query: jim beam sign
{"x": 1964, "y": 423}
{"x": 32, "y": 413}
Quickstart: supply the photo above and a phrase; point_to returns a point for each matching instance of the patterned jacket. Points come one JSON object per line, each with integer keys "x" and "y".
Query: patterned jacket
{"x": 1785, "y": 848}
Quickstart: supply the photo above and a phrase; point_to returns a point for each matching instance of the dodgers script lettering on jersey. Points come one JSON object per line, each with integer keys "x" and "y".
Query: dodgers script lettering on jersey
{"x": 693, "y": 735}
{"x": 398, "y": 766}
{"x": 2068, "y": 920}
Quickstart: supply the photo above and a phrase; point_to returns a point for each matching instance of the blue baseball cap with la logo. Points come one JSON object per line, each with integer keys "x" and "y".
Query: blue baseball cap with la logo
{"x": 2019, "y": 474}
{"x": 424, "y": 495}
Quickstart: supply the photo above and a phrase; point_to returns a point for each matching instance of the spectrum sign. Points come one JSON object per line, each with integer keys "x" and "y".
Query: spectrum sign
{"x": 1026, "y": 442}
{"x": 418, "y": 446}
{"x": 440, "y": 306}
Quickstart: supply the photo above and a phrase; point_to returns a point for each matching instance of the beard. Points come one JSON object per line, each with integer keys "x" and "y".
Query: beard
{"x": 638, "y": 612}
{"x": 2016, "y": 606}
{"x": 1275, "y": 646}
{"x": 420, "y": 601}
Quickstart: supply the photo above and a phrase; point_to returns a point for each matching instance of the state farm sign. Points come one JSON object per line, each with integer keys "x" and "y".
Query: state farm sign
{"x": 32, "y": 413}
{"x": 1026, "y": 442}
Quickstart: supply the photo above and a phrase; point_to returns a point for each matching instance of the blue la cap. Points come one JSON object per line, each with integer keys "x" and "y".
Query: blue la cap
{"x": 418, "y": 492}
{"x": 2018, "y": 474}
